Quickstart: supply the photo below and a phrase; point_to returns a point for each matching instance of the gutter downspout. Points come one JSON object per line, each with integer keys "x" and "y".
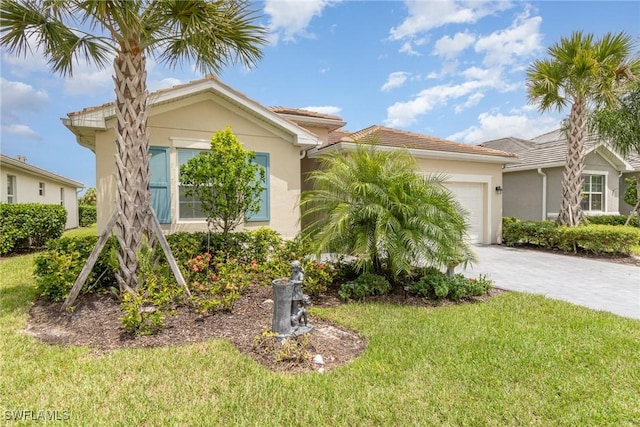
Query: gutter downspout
{"x": 544, "y": 193}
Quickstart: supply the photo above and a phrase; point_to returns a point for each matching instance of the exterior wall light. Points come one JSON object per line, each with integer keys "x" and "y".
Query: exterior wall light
{"x": 499, "y": 189}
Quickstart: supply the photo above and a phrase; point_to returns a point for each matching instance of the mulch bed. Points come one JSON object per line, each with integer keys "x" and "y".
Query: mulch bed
{"x": 95, "y": 323}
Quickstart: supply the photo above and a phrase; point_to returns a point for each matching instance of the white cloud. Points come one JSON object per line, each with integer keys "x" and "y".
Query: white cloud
{"x": 395, "y": 79}
{"x": 167, "y": 82}
{"x": 471, "y": 101}
{"x": 497, "y": 125}
{"x": 324, "y": 109}
{"x": 23, "y": 131}
{"x": 403, "y": 114}
{"x": 407, "y": 48}
{"x": 88, "y": 79}
{"x": 18, "y": 96}
{"x": 291, "y": 18}
{"x": 426, "y": 15}
{"x": 520, "y": 41}
{"x": 34, "y": 60}
{"x": 449, "y": 47}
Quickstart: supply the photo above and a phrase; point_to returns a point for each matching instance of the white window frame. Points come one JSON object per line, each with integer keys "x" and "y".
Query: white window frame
{"x": 11, "y": 188}
{"x": 587, "y": 175}
{"x": 41, "y": 189}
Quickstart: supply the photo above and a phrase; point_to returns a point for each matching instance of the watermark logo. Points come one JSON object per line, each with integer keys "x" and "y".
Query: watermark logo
{"x": 35, "y": 415}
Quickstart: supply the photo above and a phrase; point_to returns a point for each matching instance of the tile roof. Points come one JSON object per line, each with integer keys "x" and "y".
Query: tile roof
{"x": 403, "y": 139}
{"x": 544, "y": 150}
{"x": 153, "y": 94}
{"x": 303, "y": 113}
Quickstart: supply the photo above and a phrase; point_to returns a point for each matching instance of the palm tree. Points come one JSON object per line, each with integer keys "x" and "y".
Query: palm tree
{"x": 621, "y": 126}
{"x": 582, "y": 73}
{"x": 208, "y": 34}
{"x": 372, "y": 204}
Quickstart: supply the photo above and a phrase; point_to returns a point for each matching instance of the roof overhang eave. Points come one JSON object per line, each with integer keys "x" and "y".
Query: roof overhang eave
{"x": 419, "y": 153}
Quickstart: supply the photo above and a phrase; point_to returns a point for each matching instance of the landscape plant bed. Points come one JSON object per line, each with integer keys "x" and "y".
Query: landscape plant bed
{"x": 95, "y": 323}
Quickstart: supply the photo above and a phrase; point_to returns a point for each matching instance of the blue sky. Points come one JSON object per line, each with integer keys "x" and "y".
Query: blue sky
{"x": 450, "y": 69}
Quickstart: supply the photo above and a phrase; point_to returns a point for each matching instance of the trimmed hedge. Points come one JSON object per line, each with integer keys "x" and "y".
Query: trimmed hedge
{"x": 29, "y": 224}
{"x": 597, "y": 239}
{"x": 87, "y": 215}
{"x": 611, "y": 220}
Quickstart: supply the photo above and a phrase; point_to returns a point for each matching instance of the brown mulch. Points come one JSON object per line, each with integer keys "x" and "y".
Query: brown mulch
{"x": 95, "y": 322}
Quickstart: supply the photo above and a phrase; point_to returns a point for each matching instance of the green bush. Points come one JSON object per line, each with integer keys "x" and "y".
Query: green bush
{"x": 437, "y": 285}
{"x": 366, "y": 285}
{"x": 58, "y": 267}
{"x": 593, "y": 238}
{"x": 87, "y": 215}
{"x": 29, "y": 224}
{"x": 599, "y": 239}
{"x": 144, "y": 312}
{"x": 610, "y": 220}
{"x": 538, "y": 233}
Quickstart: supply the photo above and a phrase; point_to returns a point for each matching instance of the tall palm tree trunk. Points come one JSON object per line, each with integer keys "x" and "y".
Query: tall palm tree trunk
{"x": 570, "y": 210}
{"x": 132, "y": 163}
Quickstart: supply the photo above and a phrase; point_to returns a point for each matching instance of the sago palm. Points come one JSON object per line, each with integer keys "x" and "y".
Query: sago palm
{"x": 209, "y": 34}
{"x": 583, "y": 73}
{"x": 372, "y": 204}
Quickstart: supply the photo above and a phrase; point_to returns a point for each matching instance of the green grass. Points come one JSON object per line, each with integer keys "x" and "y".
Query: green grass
{"x": 517, "y": 359}
{"x": 82, "y": 231}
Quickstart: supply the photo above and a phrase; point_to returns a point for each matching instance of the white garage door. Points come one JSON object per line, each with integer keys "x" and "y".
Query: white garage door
{"x": 471, "y": 196}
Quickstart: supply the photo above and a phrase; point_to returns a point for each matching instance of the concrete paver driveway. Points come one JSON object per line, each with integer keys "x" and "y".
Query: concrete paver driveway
{"x": 600, "y": 285}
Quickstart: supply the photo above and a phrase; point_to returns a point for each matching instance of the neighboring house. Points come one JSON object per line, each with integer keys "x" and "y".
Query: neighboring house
{"x": 182, "y": 120}
{"x": 25, "y": 183}
{"x": 533, "y": 186}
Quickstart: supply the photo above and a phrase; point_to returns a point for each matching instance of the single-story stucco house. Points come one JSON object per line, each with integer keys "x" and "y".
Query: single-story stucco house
{"x": 533, "y": 186}
{"x": 183, "y": 118}
{"x": 25, "y": 183}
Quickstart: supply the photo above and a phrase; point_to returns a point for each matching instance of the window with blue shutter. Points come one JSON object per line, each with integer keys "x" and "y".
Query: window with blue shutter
{"x": 159, "y": 183}
{"x": 264, "y": 213}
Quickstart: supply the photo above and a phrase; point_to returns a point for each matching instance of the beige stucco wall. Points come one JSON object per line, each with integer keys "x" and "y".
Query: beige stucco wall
{"x": 27, "y": 191}
{"x": 190, "y": 123}
{"x": 489, "y": 175}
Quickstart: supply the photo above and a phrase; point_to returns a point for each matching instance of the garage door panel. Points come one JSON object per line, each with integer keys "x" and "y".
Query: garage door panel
{"x": 471, "y": 196}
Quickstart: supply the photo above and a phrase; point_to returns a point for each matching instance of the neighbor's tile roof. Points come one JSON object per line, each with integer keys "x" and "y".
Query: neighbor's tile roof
{"x": 544, "y": 150}
{"x": 403, "y": 139}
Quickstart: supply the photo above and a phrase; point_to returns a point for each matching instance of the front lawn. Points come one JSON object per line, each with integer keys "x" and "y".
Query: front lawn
{"x": 515, "y": 359}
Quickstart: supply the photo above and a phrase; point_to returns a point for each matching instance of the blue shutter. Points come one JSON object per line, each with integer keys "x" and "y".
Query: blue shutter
{"x": 159, "y": 183}
{"x": 263, "y": 214}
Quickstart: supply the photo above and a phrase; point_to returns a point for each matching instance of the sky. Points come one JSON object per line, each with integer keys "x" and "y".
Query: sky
{"x": 450, "y": 69}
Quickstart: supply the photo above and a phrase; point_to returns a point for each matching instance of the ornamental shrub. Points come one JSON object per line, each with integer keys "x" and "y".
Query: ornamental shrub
{"x": 610, "y": 220}
{"x": 437, "y": 285}
{"x": 538, "y": 233}
{"x": 29, "y": 224}
{"x": 87, "y": 215}
{"x": 58, "y": 267}
{"x": 366, "y": 285}
{"x": 593, "y": 238}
